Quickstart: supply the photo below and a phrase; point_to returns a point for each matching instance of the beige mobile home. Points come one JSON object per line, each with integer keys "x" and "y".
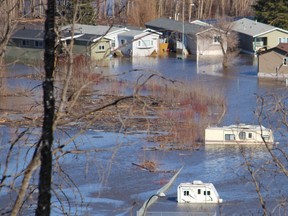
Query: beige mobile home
{"x": 255, "y": 36}
{"x": 238, "y": 134}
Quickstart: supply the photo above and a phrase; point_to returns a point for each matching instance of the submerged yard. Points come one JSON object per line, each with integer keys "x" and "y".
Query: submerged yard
{"x": 150, "y": 113}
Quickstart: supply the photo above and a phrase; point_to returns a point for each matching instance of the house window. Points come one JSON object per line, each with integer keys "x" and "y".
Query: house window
{"x": 229, "y": 137}
{"x": 199, "y": 191}
{"x": 216, "y": 39}
{"x": 123, "y": 42}
{"x": 101, "y": 47}
{"x": 186, "y": 193}
{"x": 38, "y": 44}
{"x": 242, "y": 135}
{"x": 145, "y": 43}
{"x": 282, "y": 40}
{"x": 250, "y": 135}
{"x": 113, "y": 43}
{"x": 266, "y": 138}
{"x": 208, "y": 193}
{"x": 285, "y": 61}
{"x": 259, "y": 42}
{"x": 25, "y": 43}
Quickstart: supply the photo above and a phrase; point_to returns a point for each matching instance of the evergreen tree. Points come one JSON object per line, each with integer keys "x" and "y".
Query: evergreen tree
{"x": 272, "y": 12}
{"x": 85, "y": 12}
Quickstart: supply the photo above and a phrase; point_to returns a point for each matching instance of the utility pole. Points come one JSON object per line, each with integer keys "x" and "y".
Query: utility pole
{"x": 183, "y": 29}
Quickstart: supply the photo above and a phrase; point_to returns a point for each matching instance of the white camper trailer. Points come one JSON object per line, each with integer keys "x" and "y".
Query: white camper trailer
{"x": 197, "y": 192}
{"x": 239, "y": 134}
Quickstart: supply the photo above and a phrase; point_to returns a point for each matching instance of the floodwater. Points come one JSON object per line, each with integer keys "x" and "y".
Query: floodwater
{"x": 111, "y": 185}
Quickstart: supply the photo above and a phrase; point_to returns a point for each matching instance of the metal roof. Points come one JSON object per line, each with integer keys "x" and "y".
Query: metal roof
{"x": 88, "y": 37}
{"x": 96, "y": 30}
{"x": 131, "y": 33}
{"x": 164, "y": 24}
{"x": 91, "y": 38}
{"x": 28, "y": 34}
{"x": 252, "y": 27}
{"x": 38, "y": 34}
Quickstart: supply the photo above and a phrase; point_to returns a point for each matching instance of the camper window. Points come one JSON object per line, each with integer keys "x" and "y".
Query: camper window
{"x": 186, "y": 193}
{"x": 242, "y": 135}
{"x": 229, "y": 137}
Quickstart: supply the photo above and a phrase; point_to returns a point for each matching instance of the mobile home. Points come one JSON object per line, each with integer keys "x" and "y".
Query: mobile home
{"x": 239, "y": 134}
{"x": 197, "y": 192}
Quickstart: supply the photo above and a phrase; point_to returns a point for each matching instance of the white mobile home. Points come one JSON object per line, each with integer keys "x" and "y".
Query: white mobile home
{"x": 239, "y": 134}
{"x": 139, "y": 42}
{"x": 197, "y": 192}
{"x": 103, "y": 30}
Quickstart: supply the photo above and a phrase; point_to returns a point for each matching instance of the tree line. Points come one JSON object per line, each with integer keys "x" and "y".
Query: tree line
{"x": 138, "y": 12}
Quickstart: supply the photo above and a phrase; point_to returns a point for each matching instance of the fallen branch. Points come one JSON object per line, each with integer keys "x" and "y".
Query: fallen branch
{"x": 153, "y": 169}
{"x": 143, "y": 167}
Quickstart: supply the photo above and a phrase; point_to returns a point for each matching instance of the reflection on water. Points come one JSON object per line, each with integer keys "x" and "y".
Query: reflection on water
{"x": 239, "y": 82}
{"x": 125, "y": 187}
{"x": 184, "y": 209}
{"x": 208, "y": 66}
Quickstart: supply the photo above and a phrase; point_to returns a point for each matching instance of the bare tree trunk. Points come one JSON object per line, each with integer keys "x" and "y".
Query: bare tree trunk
{"x": 7, "y": 9}
{"x": 160, "y": 8}
{"x": 129, "y": 5}
{"x": 222, "y": 7}
{"x": 69, "y": 51}
{"x": 21, "y": 7}
{"x": 255, "y": 182}
{"x": 105, "y": 9}
{"x": 169, "y": 8}
{"x": 44, "y": 199}
{"x": 177, "y": 11}
{"x": 33, "y": 165}
{"x": 210, "y": 8}
{"x": 113, "y": 8}
{"x": 42, "y": 8}
{"x": 200, "y": 9}
{"x": 32, "y": 8}
{"x": 98, "y": 9}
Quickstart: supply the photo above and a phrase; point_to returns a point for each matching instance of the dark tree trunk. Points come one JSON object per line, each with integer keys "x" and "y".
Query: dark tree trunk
{"x": 44, "y": 199}
{"x": 225, "y": 61}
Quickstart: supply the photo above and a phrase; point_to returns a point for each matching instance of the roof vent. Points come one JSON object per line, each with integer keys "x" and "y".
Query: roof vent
{"x": 197, "y": 182}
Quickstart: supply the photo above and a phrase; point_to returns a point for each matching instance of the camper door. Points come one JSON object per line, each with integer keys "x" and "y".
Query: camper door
{"x": 204, "y": 194}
